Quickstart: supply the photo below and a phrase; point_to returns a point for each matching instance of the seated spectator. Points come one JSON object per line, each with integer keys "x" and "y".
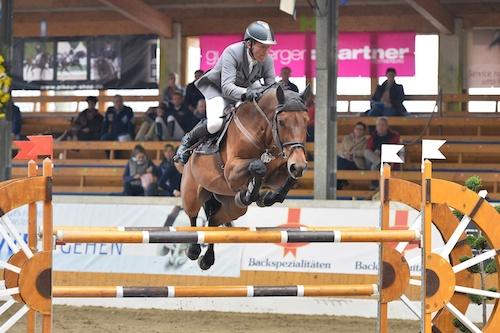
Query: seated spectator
{"x": 193, "y": 95}
{"x": 169, "y": 182}
{"x": 182, "y": 115}
{"x": 172, "y": 87}
{"x": 16, "y": 122}
{"x": 201, "y": 110}
{"x": 138, "y": 178}
{"x": 285, "y": 79}
{"x": 118, "y": 122}
{"x": 311, "y": 110}
{"x": 388, "y": 98}
{"x": 147, "y": 130}
{"x": 88, "y": 124}
{"x": 350, "y": 154}
{"x": 381, "y": 135}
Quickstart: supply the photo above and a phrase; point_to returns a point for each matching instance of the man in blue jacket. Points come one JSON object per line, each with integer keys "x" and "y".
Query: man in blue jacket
{"x": 118, "y": 122}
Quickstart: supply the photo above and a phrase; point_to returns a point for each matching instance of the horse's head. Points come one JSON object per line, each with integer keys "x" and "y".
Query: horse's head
{"x": 289, "y": 128}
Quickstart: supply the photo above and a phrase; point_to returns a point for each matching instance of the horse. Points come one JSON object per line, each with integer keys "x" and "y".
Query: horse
{"x": 260, "y": 159}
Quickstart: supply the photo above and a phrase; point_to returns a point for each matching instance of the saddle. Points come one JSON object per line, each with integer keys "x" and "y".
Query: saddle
{"x": 211, "y": 144}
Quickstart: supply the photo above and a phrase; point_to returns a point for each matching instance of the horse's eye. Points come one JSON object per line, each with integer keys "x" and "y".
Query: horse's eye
{"x": 281, "y": 123}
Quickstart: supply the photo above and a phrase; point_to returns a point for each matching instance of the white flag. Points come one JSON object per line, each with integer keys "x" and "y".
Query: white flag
{"x": 390, "y": 155}
{"x": 430, "y": 149}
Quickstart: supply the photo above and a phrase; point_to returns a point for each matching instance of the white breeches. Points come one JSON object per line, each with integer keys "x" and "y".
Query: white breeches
{"x": 215, "y": 110}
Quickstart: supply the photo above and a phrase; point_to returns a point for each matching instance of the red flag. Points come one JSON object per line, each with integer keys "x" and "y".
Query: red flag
{"x": 39, "y": 145}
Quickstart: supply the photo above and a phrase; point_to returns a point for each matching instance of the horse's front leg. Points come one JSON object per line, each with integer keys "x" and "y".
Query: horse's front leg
{"x": 237, "y": 174}
{"x": 269, "y": 198}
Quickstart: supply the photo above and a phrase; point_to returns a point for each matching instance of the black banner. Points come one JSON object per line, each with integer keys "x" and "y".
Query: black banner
{"x": 108, "y": 62}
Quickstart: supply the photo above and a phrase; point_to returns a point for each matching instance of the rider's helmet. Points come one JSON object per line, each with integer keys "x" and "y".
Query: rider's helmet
{"x": 261, "y": 32}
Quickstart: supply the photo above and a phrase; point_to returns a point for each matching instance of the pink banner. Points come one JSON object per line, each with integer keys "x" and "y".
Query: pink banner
{"x": 359, "y": 54}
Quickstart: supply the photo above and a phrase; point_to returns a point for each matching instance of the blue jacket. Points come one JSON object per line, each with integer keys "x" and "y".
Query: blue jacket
{"x": 119, "y": 123}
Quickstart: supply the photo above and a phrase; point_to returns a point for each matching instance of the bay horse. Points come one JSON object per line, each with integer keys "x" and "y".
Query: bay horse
{"x": 260, "y": 159}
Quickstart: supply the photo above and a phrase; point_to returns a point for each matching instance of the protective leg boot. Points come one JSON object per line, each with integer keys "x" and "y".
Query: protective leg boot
{"x": 189, "y": 139}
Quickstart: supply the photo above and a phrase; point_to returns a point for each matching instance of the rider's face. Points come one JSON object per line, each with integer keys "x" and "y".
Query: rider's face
{"x": 260, "y": 51}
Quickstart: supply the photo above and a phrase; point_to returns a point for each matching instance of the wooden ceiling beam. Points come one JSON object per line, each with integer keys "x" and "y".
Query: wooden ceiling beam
{"x": 435, "y": 13}
{"x": 143, "y": 14}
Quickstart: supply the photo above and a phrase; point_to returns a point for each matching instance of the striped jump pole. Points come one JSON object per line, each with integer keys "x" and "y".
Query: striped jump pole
{"x": 216, "y": 291}
{"x": 214, "y": 237}
{"x": 188, "y": 228}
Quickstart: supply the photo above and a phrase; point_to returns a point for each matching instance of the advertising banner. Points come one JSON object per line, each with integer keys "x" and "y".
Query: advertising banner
{"x": 483, "y": 58}
{"x": 339, "y": 258}
{"x": 359, "y": 54}
{"x": 61, "y": 63}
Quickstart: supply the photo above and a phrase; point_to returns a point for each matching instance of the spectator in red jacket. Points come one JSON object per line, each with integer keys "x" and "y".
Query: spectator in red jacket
{"x": 382, "y": 135}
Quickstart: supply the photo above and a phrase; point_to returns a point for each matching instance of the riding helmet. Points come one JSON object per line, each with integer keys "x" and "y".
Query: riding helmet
{"x": 261, "y": 32}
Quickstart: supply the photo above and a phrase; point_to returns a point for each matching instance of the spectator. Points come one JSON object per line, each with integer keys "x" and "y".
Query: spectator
{"x": 182, "y": 115}
{"x": 351, "y": 152}
{"x": 169, "y": 183}
{"x": 381, "y": 135}
{"x": 193, "y": 95}
{"x": 118, "y": 122}
{"x": 147, "y": 130}
{"x": 172, "y": 87}
{"x": 311, "y": 110}
{"x": 285, "y": 79}
{"x": 138, "y": 177}
{"x": 388, "y": 98}
{"x": 201, "y": 110}
{"x": 16, "y": 122}
{"x": 88, "y": 124}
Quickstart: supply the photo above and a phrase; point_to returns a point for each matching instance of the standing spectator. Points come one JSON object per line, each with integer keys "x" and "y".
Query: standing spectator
{"x": 138, "y": 177}
{"x": 169, "y": 183}
{"x": 16, "y": 122}
{"x": 118, "y": 122}
{"x": 88, "y": 124}
{"x": 201, "y": 110}
{"x": 285, "y": 79}
{"x": 382, "y": 135}
{"x": 193, "y": 95}
{"x": 179, "y": 111}
{"x": 351, "y": 152}
{"x": 388, "y": 98}
{"x": 172, "y": 87}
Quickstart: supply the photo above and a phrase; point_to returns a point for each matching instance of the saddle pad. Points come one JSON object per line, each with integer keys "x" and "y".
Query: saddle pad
{"x": 211, "y": 144}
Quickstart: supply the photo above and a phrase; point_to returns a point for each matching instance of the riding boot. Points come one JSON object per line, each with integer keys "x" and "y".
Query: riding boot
{"x": 189, "y": 139}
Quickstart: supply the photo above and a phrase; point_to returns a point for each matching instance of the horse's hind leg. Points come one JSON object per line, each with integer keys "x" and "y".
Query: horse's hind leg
{"x": 194, "y": 249}
{"x": 211, "y": 207}
{"x": 229, "y": 212}
{"x": 191, "y": 202}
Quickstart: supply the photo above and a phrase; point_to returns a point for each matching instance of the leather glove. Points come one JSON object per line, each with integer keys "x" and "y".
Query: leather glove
{"x": 251, "y": 95}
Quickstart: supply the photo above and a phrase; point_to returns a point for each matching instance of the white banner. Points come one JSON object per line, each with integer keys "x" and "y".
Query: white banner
{"x": 483, "y": 58}
{"x": 343, "y": 258}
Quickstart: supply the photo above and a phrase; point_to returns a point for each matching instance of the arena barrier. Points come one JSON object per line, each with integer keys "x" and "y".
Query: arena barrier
{"x": 444, "y": 286}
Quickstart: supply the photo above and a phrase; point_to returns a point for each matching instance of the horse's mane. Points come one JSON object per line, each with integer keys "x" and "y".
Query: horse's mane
{"x": 293, "y": 100}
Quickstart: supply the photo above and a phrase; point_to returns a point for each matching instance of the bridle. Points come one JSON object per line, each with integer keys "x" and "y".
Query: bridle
{"x": 275, "y": 130}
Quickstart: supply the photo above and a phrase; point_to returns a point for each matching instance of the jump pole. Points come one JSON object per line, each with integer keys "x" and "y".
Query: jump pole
{"x": 216, "y": 291}
{"x": 214, "y": 237}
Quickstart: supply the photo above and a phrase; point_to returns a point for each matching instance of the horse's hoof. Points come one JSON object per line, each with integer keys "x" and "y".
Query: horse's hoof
{"x": 194, "y": 251}
{"x": 257, "y": 168}
{"x": 205, "y": 262}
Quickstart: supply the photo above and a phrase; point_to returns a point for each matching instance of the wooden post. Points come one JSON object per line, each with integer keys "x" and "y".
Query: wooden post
{"x": 47, "y": 231}
{"x": 32, "y": 240}
{"x": 426, "y": 211}
{"x": 382, "y": 325}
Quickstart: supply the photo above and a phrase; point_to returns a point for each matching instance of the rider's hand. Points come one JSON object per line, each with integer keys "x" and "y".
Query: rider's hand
{"x": 251, "y": 95}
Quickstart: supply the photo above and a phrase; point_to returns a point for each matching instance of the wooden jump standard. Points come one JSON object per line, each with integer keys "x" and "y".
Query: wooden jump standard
{"x": 444, "y": 285}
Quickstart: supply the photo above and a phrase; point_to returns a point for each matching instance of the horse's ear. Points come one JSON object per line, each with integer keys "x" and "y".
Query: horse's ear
{"x": 280, "y": 95}
{"x": 306, "y": 93}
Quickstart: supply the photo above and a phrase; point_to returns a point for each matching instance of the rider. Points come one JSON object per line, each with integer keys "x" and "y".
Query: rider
{"x": 234, "y": 78}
